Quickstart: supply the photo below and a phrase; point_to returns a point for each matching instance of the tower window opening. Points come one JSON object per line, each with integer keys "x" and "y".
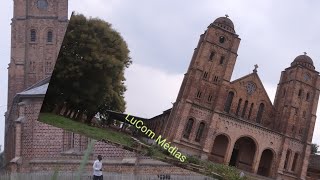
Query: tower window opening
{"x": 300, "y": 93}
{"x": 211, "y": 55}
{"x": 199, "y": 94}
{"x": 188, "y": 128}
{"x": 221, "y": 59}
{"x": 215, "y": 79}
{"x": 205, "y": 75}
{"x": 49, "y": 36}
{"x": 284, "y": 93}
{"x": 210, "y": 98}
{"x": 33, "y": 35}
{"x": 301, "y": 131}
{"x": 222, "y": 39}
{"x": 308, "y": 97}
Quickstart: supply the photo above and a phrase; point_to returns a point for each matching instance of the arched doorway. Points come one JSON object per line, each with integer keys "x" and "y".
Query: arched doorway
{"x": 219, "y": 149}
{"x": 243, "y": 154}
{"x": 266, "y": 163}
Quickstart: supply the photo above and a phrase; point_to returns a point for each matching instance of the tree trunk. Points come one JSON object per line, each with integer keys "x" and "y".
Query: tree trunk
{"x": 79, "y": 115}
{"x": 69, "y": 113}
{"x": 74, "y": 115}
{"x": 89, "y": 119}
{"x": 66, "y": 111}
{"x": 60, "y": 107}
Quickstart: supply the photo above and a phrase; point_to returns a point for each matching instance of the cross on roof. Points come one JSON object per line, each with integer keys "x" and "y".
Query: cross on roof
{"x": 304, "y": 53}
{"x": 255, "y": 68}
{"x": 227, "y": 15}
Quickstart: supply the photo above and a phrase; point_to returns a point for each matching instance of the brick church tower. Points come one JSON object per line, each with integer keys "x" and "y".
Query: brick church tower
{"x": 211, "y": 66}
{"x": 37, "y": 31}
{"x": 296, "y": 104}
{"x": 297, "y": 98}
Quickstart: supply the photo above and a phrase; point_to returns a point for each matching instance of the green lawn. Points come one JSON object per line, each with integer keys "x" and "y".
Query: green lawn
{"x": 84, "y": 129}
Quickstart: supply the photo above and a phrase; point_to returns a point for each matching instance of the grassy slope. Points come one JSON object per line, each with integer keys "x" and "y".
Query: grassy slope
{"x": 84, "y": 129}
{"x": 124, "y": 139}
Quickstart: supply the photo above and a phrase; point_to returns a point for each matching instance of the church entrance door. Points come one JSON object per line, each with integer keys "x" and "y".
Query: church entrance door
{"x": 265, "y": 163}
{"x": 243, "y": 154}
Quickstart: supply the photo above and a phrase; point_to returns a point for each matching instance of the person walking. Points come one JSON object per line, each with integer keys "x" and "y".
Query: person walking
{"x": 97, "y": 169}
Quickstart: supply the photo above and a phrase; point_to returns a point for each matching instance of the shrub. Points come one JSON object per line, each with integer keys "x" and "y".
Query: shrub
{"x": 151, "y": 151}
{"x": 194, "y": 160}
{"x": 228, "y": 172}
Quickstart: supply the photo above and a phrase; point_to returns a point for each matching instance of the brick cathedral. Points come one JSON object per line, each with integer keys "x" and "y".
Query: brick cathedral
{"x": 230, "y": 122}
{"x": 235, "y": 122}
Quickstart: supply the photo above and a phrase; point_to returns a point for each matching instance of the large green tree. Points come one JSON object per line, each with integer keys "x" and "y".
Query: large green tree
{"x": 89, "y": 73}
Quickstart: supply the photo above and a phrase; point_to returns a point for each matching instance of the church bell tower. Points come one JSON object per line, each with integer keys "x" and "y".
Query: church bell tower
{"x": 212, "y": 63}
{"x": 210, "y": 68}
{"x": 297, "y": 98}
{"x": 37, "y": 31}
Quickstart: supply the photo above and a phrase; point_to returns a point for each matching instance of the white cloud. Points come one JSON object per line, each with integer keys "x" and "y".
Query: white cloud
{"x": 150, "y": 91}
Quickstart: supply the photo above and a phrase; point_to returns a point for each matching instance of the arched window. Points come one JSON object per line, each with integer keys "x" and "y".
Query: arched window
{"x": 238, "y": 108}
{"x": 308, "y": 97}
{"x": 222, "y": 39}
{"x": 221, "y": 60}
{"x": 33, "y": 35}
{"x": 49, "y": 36}
{"x": 188, "y": 128}
{"x": 200, "y": 131}
{"x": 300, "y": 93}
{"x": 211, "y": 56}
{"x": 287, "y": 159}
{"x": 48, "y": 67}
{"x": 199, "y": 94}
{"x": 244, "y": 109}
{"x": 216, "y": 78}
{"x": 294, "y": 163}
{"x": 228, "y": 103}
{"x": 250, "y": 110}
{"x": 32, "y": 66}
{"x": 260, "y": 112}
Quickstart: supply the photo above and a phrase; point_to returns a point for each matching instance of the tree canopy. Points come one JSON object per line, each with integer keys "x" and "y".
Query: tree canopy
{"x": 88, "y": 77}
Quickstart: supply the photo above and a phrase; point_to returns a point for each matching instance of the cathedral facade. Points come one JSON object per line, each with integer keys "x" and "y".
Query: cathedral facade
{"x": 235, "y": 122}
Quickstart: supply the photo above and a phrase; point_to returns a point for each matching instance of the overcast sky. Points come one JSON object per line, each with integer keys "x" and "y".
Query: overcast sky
{"x": 162, "y": 35}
